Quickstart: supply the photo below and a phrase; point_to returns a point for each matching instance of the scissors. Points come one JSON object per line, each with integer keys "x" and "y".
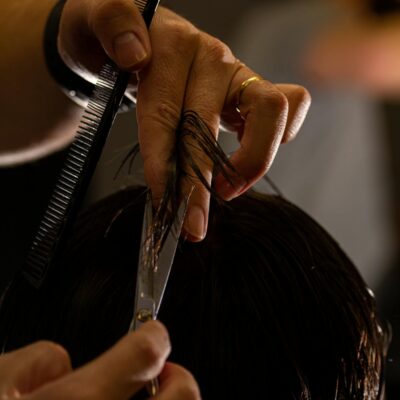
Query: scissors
{"x": 154, "y": 268}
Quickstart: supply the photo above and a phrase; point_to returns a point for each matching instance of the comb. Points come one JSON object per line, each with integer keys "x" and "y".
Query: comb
{"x": 80, "y": 163}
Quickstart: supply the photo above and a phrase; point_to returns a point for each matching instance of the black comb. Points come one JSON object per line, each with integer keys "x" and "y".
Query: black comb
{"x": 80, "y": 163}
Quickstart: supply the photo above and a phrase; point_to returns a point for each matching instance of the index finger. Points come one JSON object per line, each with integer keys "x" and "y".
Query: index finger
{"x": 161, "y": 93}
{"x": 26, "y": 369}
{"x": 177, "y": 383}
{"x": 118, "y": 373}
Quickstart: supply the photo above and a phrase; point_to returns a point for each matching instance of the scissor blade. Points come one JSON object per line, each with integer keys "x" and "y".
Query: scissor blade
{"x": 144, "y": 282}
{"x": 145, "y": 246}
{"x": 167, "y": 254}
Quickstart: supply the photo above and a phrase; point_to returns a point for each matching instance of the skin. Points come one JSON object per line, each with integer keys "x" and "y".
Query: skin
{"x": 27, "y": 89}
{"x": 43, "y": 371}
{"x": 178, "y": 67}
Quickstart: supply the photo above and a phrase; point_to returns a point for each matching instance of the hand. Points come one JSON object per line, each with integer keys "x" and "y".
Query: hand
{"x": 43, "y": 371}
{"x": 363, "y": 53}
{"x": 182, "y": 68}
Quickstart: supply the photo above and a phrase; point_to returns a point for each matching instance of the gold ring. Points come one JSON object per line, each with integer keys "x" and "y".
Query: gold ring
{"x": 242, "y": 88}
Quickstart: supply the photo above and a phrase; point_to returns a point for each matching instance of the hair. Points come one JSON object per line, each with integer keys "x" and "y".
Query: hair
{"x": 267, "y": 306}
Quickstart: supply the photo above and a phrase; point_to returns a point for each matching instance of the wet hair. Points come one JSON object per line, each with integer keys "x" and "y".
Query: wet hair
{"x": 267, "y": 306}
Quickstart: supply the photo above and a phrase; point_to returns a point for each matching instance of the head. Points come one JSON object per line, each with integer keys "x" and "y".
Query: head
{"x": 267, "y": 306}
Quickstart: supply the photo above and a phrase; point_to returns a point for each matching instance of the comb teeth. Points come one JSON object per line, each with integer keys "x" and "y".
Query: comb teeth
{"x": 141, "y": 4}
{"x": 80, "y": 162}
{"x": 53, "y": 221}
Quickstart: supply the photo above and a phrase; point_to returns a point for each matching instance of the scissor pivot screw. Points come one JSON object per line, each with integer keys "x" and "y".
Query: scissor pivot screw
{"x": 144, "y": 315}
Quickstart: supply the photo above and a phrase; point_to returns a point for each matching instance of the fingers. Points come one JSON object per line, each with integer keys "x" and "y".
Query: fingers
{"x": 272, "y": 114}
{"x": 188, "y": 70}
{"x": 121, "y": 30}
{"x": 191, "y": 71}
{"x": 133, "y": 361}
{"x": 117, "y": 374}
{"x": 299, "y": 100}
{"x": 177, "y": 383}
{"x": 27, "y": 369}
{"x": 205, "y": 94}
{"x": 90, "y": 29}
{"x": 264, "y": 110}
{"x": 161, "y": 92}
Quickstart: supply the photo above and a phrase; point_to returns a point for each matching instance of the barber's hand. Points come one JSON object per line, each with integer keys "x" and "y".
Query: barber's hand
{"x": 182, "y": 68}
{"x": 42, "y": 371}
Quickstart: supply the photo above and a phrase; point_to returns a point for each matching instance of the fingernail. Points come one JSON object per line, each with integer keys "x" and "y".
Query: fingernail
{"x": 195, "y": 224}
{"x": 129, "y": 50}
{"x": 228, "y": 191}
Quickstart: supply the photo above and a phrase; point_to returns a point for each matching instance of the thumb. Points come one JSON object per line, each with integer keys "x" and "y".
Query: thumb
{"x": 121, "y": 30}
{"x": 115, "y": 27}
{"x": 117, "y": 374}
{"x": 30, "y": 367}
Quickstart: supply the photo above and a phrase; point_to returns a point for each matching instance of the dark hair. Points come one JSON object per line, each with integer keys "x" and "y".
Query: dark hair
{"x": 267, "y": 306}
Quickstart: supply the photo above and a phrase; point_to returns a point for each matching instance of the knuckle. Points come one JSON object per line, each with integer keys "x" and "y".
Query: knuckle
{"x": 149, "y": 352}
{"x": 301, "y": 95}
{"x": 182, "y": 35}
{"x": 274, "y": 101}
{"x": 52, "y": 351}
{"x": 164, "y": 114}
{"x": 188, "y": 388}
{"x": 162, "y": 330}
{"x": 216, "y": 50}
{"x": 168, "y": 112}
